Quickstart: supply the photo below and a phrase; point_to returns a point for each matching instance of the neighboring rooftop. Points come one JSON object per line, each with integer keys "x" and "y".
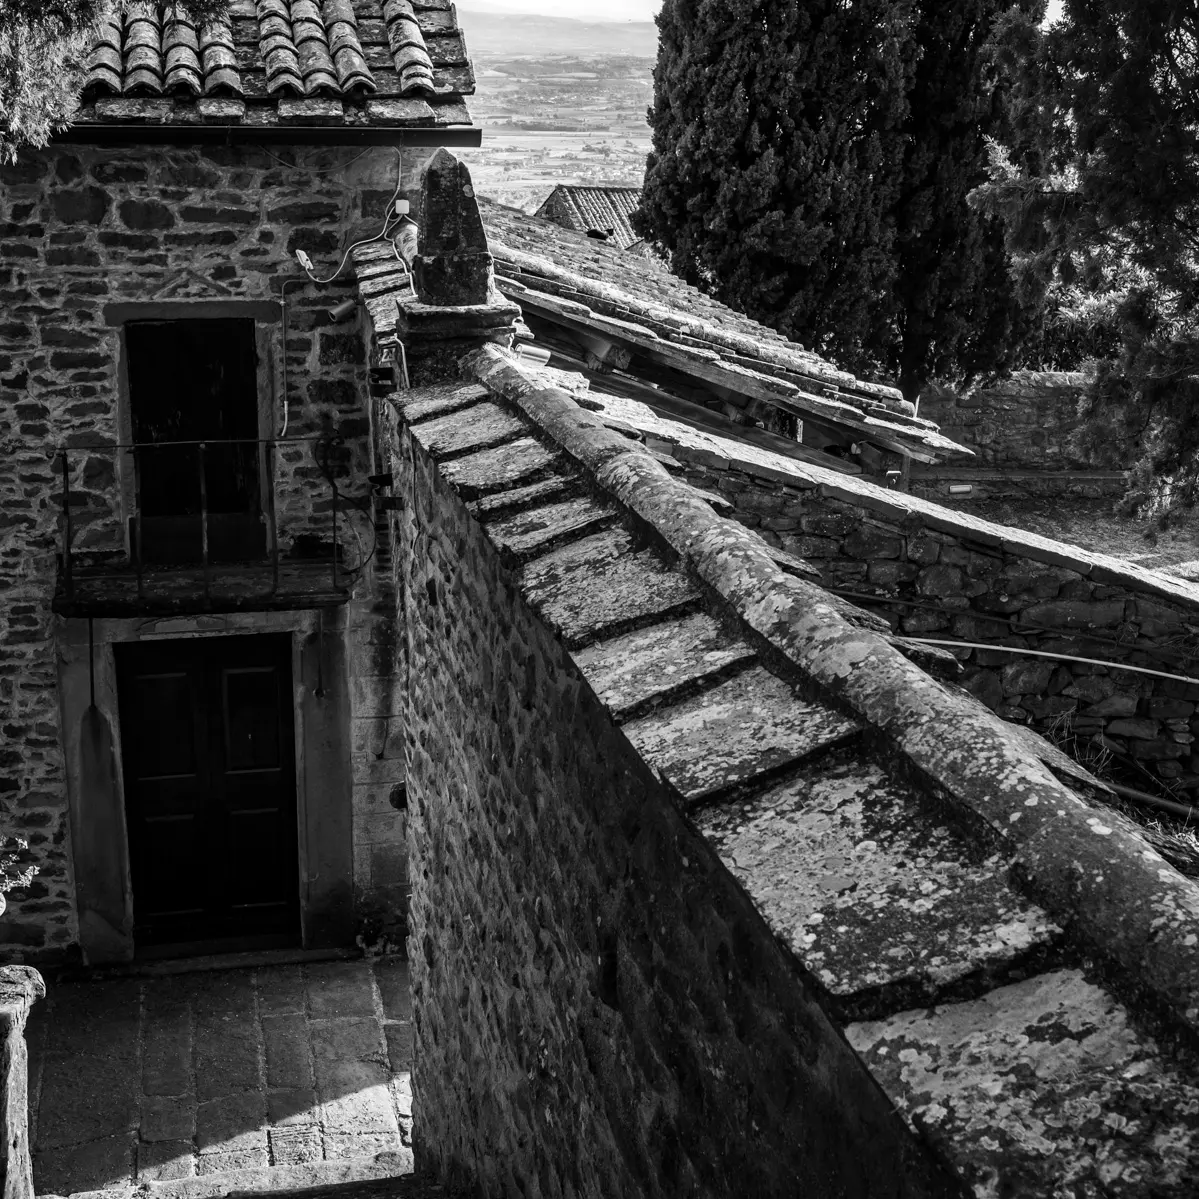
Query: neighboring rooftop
{"x": 606, "y": 210}
{"x": 275, "y": 65}
{"x": 637, "y": 330}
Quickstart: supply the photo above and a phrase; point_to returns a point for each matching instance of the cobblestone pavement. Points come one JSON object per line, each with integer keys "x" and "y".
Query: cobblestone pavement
{"x": 165, "y": 1079}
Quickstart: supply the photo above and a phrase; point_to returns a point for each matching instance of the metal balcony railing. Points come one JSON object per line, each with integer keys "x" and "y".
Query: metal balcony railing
{"x": 158, "y": 516}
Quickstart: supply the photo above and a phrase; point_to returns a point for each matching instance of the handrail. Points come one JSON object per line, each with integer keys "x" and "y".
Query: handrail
{"x": 234, "y": 543}
{"x": 153, "y": 445}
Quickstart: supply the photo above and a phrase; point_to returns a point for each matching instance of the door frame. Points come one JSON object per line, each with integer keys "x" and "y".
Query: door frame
{"x": 321, "y": 714}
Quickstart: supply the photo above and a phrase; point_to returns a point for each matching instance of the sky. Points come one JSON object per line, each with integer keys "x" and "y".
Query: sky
{"x": 608, "y": 10}
{"x": 581, "y": 10}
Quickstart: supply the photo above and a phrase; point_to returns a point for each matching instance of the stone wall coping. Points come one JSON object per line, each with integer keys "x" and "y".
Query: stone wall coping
{"x": 1089, "y": 866}
{"x": 916, "y": 511}
{"x": 20, "y": 986}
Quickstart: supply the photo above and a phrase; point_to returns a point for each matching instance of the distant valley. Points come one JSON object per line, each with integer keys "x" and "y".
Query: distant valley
{"x": 560, "y": 101}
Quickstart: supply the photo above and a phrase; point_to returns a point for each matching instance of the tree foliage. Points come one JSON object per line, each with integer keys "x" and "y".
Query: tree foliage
{"x": 1097, "y": 182}
{"x": 774, "y": 170}
{"x": 43, "y": 46}
{"x": 810, "y": 166}
{"x": 954, "y": 310}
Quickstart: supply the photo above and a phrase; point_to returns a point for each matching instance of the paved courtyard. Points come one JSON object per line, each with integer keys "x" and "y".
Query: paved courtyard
{"x": 163, "y": 1080}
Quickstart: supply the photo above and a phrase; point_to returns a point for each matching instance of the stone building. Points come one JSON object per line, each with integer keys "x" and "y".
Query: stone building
{"x": 600, "y": 212}
{"x": 335, "y": 610}
{"x": 194, "y": 535}
{"x": 187, "y": 523}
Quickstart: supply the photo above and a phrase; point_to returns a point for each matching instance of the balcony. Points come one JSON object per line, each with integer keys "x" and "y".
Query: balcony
{"x": 174, "y": 527}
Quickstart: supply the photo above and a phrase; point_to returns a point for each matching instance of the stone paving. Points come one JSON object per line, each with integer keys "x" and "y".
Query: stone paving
{"x": 168, "y": 1078}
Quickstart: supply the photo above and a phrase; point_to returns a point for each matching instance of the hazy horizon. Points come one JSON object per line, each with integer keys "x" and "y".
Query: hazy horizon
{"x": 579, "y": 10}
{"x": 614, "y": 10}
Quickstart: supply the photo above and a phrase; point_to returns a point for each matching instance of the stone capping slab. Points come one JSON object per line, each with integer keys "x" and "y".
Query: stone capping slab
{"x": 1091, "y": 868}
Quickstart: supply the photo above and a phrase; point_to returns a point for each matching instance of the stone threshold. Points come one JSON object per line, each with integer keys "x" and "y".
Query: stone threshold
{"x": 161, "y": 967}
{"x": 393, "y": 1171}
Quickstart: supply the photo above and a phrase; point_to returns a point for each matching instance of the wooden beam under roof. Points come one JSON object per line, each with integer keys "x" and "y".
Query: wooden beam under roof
{"x": 714, "y": 370}
{"x": 696, "y": 416}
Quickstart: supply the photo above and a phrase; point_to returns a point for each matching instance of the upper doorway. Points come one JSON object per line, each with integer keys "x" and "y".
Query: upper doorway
{"x": 198, "y": 461}
{"x": 210, "y": 791}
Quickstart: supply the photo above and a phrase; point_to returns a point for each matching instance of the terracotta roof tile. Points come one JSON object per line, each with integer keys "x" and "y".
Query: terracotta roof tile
{"x": 630, "y": 299}
{"x": 268, "y": 51}
{"x": 601, "y": 208}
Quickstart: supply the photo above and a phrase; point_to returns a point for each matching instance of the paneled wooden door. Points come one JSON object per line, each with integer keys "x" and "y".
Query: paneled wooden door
{"x": 210, "y": 790}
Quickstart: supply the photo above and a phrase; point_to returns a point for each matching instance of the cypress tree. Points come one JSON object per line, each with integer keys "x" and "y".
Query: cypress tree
{"x": 955, "y": 311}
{"x": 1098, "y": 186}
{"x": 810, "y": 166}
{"x": 776, "y": 157}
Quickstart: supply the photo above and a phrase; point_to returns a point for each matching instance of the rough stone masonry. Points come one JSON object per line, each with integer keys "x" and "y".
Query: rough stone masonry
{"x": 83, "y": 231}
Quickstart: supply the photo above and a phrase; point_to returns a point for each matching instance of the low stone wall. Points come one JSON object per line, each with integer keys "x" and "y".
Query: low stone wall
{"x": 1030, "y": 420}
{"x": 600, "y": 1010}
{"x": 936, "y": 573}
{"x": 20, "y": 988}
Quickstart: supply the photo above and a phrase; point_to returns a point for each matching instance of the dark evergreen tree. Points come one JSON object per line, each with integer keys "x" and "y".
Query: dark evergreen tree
{"x": 1098, "y": 185}
{"x": 777, "y": 155}
{"x": 42, "y": 47}
{"x": 954, "y": 308}
{"x": 810, "y": 165}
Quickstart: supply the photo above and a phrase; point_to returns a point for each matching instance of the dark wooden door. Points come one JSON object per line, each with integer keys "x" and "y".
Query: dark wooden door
{"x": 210, "y": 795}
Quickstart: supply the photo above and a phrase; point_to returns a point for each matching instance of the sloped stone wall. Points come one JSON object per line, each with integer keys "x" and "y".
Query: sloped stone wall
{"x": 935, "y": 573}
{"x": 81, "y": 228}
{"x": 1031, "y": 420}
{"x": 599, "y": 1011}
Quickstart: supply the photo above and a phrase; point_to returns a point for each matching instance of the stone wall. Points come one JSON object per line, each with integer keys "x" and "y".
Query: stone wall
{"x": 82, "y": 228}
{"x": 1031, "y": 420}
{"x": 936, "y": 573}
{"x": 599, "y": 1008}
{"x": 20, "y": 988}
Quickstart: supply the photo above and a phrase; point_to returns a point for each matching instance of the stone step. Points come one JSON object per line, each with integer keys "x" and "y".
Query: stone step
{"x": 483, "y": 426}
{"x": 522, "y": 461}
{"x": 734, "y": 734}
{"x": 534, "y": 531}
{"x": 603, "y": 585}
{"x": 1043, "y": 1087}
{"x": 660, "y": 664}
{"x": 874, "y": 893}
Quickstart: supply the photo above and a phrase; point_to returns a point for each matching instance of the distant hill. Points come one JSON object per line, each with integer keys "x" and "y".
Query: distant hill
{"x": 526, "y": 33}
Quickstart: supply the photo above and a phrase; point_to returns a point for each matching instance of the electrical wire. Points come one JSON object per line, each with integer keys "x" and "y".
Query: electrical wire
{"x": 322, "y": 452}
{"x": 389, "y": 215}
{"x": 283, "y": 315}
{"x": 1015, "y": 628}
{"x": 295, "y": 166}
{"x": 1020, "y": 651}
